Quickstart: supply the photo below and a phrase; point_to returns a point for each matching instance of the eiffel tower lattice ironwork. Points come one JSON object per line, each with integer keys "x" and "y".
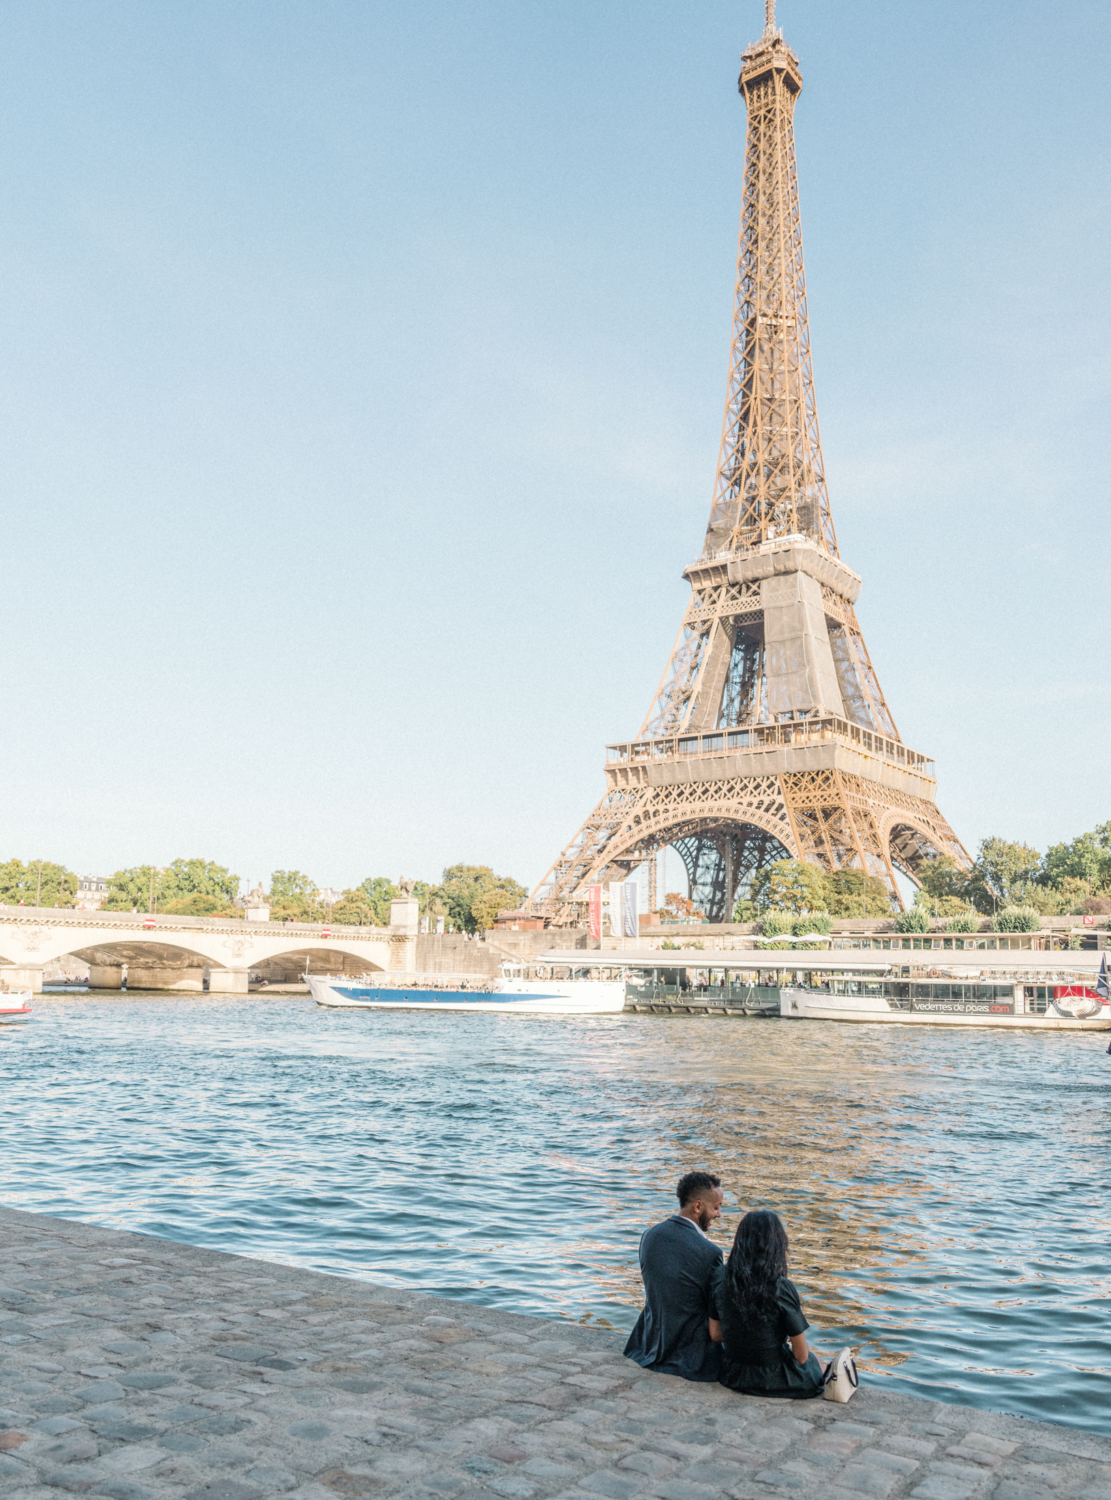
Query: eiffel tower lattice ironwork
{"x": 769, "y": 736}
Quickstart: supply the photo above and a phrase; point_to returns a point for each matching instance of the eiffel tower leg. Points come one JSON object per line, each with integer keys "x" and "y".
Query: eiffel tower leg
{"x": 843, "y": 821}
{"x": 705, "y": 858}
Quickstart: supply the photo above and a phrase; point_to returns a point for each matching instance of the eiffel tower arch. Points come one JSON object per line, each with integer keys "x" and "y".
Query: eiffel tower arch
{"x": 769, "y": 735}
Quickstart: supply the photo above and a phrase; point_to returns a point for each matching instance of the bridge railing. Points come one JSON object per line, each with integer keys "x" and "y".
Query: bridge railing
{"x": 69, "y": 917}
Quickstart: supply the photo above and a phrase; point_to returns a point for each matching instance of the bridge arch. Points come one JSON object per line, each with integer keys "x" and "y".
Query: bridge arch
{"x": 288, "y": 966}
{"x": 174, "y": 953}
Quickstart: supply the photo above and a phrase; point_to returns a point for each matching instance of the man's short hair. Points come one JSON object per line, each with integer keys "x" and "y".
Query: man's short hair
{"x": 695, "y": 1185}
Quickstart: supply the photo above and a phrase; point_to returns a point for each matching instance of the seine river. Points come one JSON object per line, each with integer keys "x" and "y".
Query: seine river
{"x": 946, "y": 1192}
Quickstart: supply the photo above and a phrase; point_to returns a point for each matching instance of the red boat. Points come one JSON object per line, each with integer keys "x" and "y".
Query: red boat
{"x": 15, "y": 1005}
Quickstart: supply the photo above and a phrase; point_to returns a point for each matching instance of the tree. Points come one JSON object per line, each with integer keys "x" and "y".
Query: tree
{"x": 463, "y": 884}
{"x": 295, "y": 897}
{"x": 355, "y": 909}
{"x": 776, "y": 924}
{"x": 145, "y": 887}
{"x": 940, "y": 877}
{"x": 1070, "y": 894}
{"x": 1000, "y": 867}
{"x": 854, "y": 893}
{"x": 488, "y": 903}
{"x": 292, "y": 885}
{"x": 914, "y": 920}
{"x": 188, "y": 877}
{"x": 39, "y": 880}
{"x": 197, "y": 904}
{"x": 790, "y": 885}
{"x": 379, "y": 892}
{"x": 939, "y": 906}
{"x": 678, "y": 906}
{"x": 136, "y": 889}
{"x": 1086, "y": 858}
{"x": 1016, "y": 919}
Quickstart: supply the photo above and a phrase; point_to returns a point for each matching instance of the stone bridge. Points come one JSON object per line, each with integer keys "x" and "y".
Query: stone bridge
{"x": 180, "y": 953}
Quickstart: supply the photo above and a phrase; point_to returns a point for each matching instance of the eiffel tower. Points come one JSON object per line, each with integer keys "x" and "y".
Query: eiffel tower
{"x": 769, "y": 737}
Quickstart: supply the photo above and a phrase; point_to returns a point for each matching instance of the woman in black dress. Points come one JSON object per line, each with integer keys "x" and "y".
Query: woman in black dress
{"x": 759, "y": 1320}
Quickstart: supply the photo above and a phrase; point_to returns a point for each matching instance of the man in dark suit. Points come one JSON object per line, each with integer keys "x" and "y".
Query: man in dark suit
{"x": 672, "y": 1334}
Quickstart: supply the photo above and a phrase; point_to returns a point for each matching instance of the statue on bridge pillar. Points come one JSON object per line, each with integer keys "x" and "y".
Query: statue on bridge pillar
{"x": 257, "y": 908}
{"x": 405, "y": 908}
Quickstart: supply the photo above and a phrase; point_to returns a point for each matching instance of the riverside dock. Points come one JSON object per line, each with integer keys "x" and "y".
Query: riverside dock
{"x": 135, "y": 1368}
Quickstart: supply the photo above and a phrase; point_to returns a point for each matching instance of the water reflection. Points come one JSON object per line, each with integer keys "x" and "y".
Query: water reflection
{"x": 943, "y": 1190}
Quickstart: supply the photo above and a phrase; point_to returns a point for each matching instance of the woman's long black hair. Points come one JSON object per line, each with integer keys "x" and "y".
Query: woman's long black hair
{"x": 757, "y": 1260}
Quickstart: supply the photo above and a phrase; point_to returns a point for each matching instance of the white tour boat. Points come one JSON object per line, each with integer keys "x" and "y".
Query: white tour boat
{"x": 510, "y": 994}
{"x": 1052, "y": 997}
{"x": 1035, "y": 990}
{"x": 15, "y": 1005}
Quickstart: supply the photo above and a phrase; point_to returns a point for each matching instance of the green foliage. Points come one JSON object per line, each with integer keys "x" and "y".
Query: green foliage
{"x": 914, "y": 920}
{"x": 188, "y": 877}
{"x": 789, "y": 885}
{"x": 135, "y": 889}
{"x": 291, "y": 885}
{"x": 942, "y": 877}
{"x": 966, "y": 922}
{"x": 796, "y": 886}
{"x": 744, "y": 910}
{"x": 142, "y": 886}
{"x": 355, "y": 909}
{"x": 379, "y": 892}
{"x": 776, "y": 924}
{"x": 1070, "y": 894}
{"x": 463, "y": 885}
{"x": 939, "y": 906}
{"x": 294, "y": 897}
{"x": 490, "y": 901}
{"x": 1016, "y": 919}
{"x": 1000, "y": 868}
{"x": 21, "y": 882}
{"x": 198, "y": 905}
{"x": 817, "y": 921}
{"x": 854, "y": 893}
{"x": 1087, "y": 859}
{"x": 669, "y": 945}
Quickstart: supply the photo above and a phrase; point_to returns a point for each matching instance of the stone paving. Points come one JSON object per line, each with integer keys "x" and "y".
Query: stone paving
{"x": 133, "y": 1367}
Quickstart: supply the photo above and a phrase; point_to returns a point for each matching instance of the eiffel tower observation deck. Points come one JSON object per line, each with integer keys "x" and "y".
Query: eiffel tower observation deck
{"x": 769, "y": 736}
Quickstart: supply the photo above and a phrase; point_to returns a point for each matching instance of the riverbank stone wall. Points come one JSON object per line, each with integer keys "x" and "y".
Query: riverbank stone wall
{"x": 136, "y": 1368}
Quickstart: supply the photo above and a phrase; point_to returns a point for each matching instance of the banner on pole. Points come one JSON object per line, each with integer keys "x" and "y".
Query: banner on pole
{"x": 631, "y": 909}
{"x": 594, "y": 909}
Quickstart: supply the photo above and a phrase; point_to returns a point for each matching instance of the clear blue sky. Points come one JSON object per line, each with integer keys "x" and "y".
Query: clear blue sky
{"x": 361, "y": 375}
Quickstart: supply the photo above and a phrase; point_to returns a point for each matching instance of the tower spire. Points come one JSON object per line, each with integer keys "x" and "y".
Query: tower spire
{"x": 771, "y": 478}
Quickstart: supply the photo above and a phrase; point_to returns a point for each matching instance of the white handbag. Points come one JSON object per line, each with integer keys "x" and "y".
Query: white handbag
{"x": 840, "y": 1378}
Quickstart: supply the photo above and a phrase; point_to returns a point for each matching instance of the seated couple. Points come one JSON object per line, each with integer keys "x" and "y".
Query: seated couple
{"x": 740, "y": 1323}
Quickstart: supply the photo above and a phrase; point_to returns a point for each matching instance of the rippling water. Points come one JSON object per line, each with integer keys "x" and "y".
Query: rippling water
{"x": 945, "y": 1191}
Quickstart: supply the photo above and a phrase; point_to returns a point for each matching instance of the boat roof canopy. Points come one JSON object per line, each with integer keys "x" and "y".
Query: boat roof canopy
{"x": 822, "y": 960}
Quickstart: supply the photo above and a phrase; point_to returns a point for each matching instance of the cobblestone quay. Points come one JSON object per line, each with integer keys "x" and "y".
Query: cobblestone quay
{"x": 134, "y": 1367}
